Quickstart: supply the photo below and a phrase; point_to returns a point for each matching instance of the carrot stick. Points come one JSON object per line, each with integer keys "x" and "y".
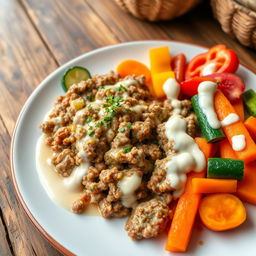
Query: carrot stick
{"x": 187, "y": 207}
{"x": 246, "y": 189}
{"x": 223, "y": 108}
{"x": 250, "y": 124}
{"x": 239, "y": 108}
{"x": 205, "y": 186}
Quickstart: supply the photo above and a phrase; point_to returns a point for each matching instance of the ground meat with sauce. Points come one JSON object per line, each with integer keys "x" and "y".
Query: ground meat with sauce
{"x": 148, "y": 219}
{"x": 115, "y": 126}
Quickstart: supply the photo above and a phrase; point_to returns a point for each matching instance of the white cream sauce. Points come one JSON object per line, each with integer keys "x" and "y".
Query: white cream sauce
{"x": 172, "y": 89}
{"x": 139, "y": 108}
{"x": 189, "y": 157}
{"x": 206, "y": 91}
{"x": 54, "y": 183}
{"x": 230, "y": 119}
{"x": 128, "y": 185}
{"x": 74, "y": 181}
{"x": 209, "y": 69}
{"x": 125, "y": 83}
{"x": 238, "y": 142}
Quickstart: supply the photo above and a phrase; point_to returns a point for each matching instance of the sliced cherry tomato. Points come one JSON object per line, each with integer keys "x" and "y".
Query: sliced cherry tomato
{"x": 231, "y": 85}
{"x": 218, "y": 59}
{"x": 178, "y": 64}
{"x": 189, "y": 87}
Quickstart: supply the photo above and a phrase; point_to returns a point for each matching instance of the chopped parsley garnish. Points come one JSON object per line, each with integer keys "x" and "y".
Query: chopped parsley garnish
{"x": 127, "y": 149}
{"x": 114, "y": 101}
{"x": 107, "y": 118}
{"x": 128, "y": 109}
{"x": 110, "y": 108}
{"x": 121, "y": 88}
{"x": 128, "y": 126}
{"x": 90, "y": 107}
{"x": 102, "y": 87}
{"x": 100, "y": 123}
{"x": 121, "y": 129}
{"x": 89, "y": 119}
{"x": 91, "y": 133}
{"x": 90, "y": 98}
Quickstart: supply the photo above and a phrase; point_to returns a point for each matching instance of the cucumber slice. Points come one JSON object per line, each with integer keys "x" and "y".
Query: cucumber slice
{"x": 212, "y": 135}
{"x": 74, "y": 75}
{"x": 249, "y": 98}
{"x": 223, "y": 168}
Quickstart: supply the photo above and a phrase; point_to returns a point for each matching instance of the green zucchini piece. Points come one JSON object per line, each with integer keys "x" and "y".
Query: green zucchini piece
{"x": 223, "y": 168}
{"x": 212, "y": 135}
{"x": 249, "y": 98}
{"x": 74, "y": 75}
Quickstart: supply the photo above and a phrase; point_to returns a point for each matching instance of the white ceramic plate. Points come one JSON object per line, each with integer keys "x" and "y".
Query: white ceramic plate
{"x": 92, "y": 235}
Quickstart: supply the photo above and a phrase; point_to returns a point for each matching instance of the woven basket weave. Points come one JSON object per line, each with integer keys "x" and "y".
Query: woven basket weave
{"x": 236, "y": 20}
{"x": 154, "y": 10}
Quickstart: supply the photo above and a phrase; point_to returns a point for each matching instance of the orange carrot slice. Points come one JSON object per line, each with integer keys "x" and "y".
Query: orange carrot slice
{"x": 220, "y": 212}
{"x": 205, "y": 186}
{"x": 246, "y": 189}
{"x": 223, "y": 108}
{"x": 184, "y": 216}
{"x": 250, "y": 124}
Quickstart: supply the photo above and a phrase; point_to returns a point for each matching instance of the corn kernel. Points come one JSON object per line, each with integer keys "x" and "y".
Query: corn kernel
{"x": 72, "y": 127}
{"x": 77, "y": 104}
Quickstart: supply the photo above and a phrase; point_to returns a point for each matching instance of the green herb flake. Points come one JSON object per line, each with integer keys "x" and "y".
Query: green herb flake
{"x": 107, "y": 118}
{"x": 121, "y": 129}
{"x": 90, "y": 98}
{"x": 89, "y": 119}
{"x": 91, "y": 133}
{"x": 100, "y": 123}
{"x": 127, "y": 149}
{"x": 121, "y": 88}
{"x": 128, "y": 126}
{"x": 128, "y": 109}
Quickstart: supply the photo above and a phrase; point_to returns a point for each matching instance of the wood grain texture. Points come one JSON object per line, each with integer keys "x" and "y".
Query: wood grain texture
{"x": 69, "y": 30}
{"x": 24, "y": 239}
{"x": 24, "y": 60}
{"x": 38, "y": 36}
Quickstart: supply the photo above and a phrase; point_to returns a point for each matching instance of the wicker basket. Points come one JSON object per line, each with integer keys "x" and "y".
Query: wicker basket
{"x": 236, "y": 20}
{"x": 154, "y": 10}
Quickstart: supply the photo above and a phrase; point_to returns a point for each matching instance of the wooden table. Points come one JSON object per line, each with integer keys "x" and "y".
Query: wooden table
{"x": 38, "y": 36}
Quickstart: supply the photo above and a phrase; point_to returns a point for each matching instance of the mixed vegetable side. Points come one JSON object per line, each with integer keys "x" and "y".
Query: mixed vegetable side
{"x": 227, "y": 142}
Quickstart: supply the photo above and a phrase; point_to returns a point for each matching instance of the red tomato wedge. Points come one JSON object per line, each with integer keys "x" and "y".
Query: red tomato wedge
{"x": 178, "y": 65}
{"x": 189, "y": 87}
{"x": 218, "y": 57}
{"x": 231, "y": 85}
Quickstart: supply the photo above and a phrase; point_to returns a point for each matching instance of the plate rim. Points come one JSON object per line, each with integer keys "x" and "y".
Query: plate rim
{"x": 25, "y": 207}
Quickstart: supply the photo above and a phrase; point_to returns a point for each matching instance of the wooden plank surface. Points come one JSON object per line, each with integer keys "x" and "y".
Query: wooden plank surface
{"x": 38, "y": 36}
